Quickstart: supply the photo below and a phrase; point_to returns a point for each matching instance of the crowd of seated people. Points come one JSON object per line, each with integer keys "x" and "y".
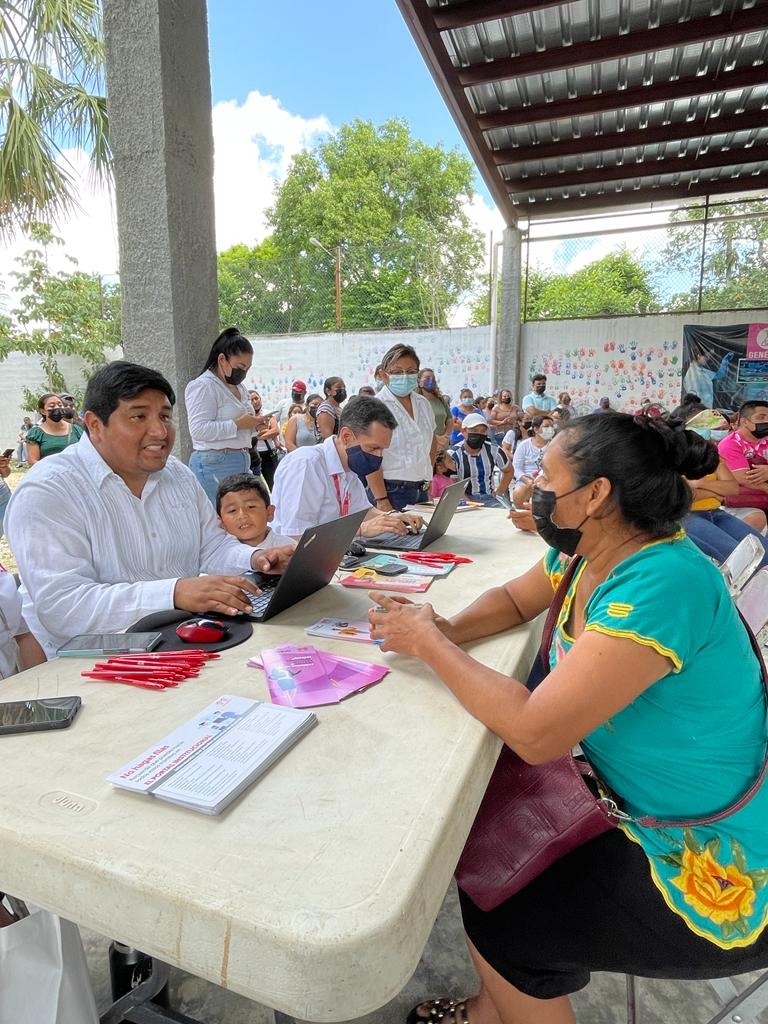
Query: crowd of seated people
{"x": 257, "y": 479}
{"x": 256, "y": 467}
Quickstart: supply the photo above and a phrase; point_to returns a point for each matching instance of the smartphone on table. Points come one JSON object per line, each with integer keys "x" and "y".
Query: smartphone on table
{"x": 35, "y": 715}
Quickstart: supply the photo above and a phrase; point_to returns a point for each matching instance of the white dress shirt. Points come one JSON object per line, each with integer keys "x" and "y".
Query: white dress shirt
{"x": 100, "y": 564}
{"x": 211, "y": 413}
{"x": 407, "y": 457}
{"x": 11, "y": 623}
{"x": 304, "y": 493}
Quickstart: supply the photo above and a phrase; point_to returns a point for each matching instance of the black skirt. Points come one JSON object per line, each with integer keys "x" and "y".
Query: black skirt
{"x": 597, "y": 910}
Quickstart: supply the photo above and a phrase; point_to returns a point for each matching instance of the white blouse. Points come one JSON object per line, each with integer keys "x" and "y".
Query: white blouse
{"x": 211, "y": 413}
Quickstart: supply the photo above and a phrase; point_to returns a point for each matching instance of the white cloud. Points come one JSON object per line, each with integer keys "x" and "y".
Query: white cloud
{"x": 254, "y": 143}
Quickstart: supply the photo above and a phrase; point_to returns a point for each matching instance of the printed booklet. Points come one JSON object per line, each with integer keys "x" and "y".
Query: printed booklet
{"x": 357, "y": 630}
{"x": 301, "y": 676}
{"x": 208, "y": 762}
{"x": 369, "y": 579}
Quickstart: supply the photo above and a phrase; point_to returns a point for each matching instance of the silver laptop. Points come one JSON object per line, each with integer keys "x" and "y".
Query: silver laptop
{"x": 438, "y": 524}
{"x": 311, "y": 567}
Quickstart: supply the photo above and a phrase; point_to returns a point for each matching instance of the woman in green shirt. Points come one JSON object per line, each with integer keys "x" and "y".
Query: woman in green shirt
{"x": 55, "y": 432}
{"x": 653, "y": 673}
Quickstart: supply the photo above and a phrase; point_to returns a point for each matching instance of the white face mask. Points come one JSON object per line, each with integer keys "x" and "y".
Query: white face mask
{"x": 547, "y": 433}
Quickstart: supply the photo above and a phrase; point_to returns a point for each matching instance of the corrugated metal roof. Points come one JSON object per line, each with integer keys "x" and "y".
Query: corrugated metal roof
{"x": 574, "y": 107}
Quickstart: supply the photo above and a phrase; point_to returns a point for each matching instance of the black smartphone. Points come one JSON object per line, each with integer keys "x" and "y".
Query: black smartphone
{"x": 8, "y": 453}
{"x": 34, "y": 715}
{"x": 392, "y": 568}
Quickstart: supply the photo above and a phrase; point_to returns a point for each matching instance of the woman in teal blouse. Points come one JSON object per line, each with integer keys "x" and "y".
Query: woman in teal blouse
{"x": 652, "y": 671}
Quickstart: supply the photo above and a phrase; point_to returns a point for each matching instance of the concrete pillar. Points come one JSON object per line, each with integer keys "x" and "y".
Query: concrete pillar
{"x": 159, "y": 104}
{"x": 506, "y": 368}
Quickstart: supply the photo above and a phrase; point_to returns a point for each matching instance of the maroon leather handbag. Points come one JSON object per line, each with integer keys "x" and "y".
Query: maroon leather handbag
{"x": 531, "y": 814}
{"x": 534, "y": 814}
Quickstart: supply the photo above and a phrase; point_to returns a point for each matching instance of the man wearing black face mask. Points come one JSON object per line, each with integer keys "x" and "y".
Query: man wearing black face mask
{"x": 475, "y": 458}
{"x": 315, "y": 484}
{"x": 745, "y": 451}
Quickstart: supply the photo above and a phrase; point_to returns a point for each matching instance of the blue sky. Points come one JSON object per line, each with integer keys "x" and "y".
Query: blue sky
{"x": 342, "y": 59}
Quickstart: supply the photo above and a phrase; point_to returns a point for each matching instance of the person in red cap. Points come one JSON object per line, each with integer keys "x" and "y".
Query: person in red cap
{"x": 298, "y": 397}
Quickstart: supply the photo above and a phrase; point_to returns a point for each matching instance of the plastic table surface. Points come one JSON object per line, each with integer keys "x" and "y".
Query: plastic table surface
{"x": 315, "y": 892}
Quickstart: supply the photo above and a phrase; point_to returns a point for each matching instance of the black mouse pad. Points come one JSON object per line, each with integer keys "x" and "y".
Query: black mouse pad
{"x": 166, "y": 622}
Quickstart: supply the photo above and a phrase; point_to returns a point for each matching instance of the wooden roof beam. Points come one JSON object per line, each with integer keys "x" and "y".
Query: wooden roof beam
{"x": 621, "y": 99}
{"x": 639, "y": 197}
{"x": 665, "y": 37}
{"x": 658, "y": 135}
{"x": 647, "y": 169}
{"x": 472, "y": 12}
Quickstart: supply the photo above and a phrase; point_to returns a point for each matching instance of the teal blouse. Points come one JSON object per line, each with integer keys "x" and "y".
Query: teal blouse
{"x": 693, "y": 742}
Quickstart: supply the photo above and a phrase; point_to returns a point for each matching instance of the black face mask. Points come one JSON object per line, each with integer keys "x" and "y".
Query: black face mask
{"x": 298, "y": 397}
{"x": 312, "y": 410}
{"x": 562, "y": 538}
{"x": 340, "y": 395}
{"x": 237, "y": 376}
{"x": 58, "y": 414}
{"x": 476, "y": 441}
{"x": 760, "y": 430}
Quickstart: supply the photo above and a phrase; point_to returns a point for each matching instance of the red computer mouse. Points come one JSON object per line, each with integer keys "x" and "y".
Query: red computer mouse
{"x": 202, "y": 631}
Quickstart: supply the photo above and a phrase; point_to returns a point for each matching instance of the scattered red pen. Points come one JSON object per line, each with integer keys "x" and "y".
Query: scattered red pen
{"x": 147, "y": 684}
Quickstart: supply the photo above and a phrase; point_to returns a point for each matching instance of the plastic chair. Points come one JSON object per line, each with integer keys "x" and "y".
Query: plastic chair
{"x": 752, "y": 602}
{"x": 738, "y": 1007}
{"x": 742, "y": 562}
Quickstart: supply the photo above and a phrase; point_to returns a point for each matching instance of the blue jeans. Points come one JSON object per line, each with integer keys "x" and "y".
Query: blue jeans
{"x": 212, "y": 467}
{"x": 717, "y": 533}
{"x": 399, "y": 496}
{"x": 5, "y": 497}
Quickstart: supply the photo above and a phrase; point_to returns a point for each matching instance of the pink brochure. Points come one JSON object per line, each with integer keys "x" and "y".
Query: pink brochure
{"x": 300, "y": 676}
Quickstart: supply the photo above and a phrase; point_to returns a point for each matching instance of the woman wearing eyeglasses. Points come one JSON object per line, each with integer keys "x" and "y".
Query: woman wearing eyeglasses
{"x": 406, "y": 469}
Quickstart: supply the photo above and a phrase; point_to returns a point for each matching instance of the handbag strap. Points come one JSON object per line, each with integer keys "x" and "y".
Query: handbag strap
{"x": 648, "y": 821}
{"x": 554, "y": 610}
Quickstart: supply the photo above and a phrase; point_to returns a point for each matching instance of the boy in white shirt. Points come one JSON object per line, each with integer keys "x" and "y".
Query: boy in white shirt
{"x": 18, "y": 648}
{"x": 245, "y": 511}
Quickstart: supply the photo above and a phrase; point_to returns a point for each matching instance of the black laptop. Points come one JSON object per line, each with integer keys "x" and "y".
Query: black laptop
{"x": 311, "y": 567}
{"x": 438, "y": 524}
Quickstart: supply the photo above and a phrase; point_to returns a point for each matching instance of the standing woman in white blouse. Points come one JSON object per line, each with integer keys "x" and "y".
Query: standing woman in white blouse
{"x": 219, "y": 412}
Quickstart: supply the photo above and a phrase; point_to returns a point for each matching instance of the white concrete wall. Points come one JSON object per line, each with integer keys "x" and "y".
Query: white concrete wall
{"x": 459, "y": 357}
{"x": 18, "y": 372}
{"x": 626, "y": 358}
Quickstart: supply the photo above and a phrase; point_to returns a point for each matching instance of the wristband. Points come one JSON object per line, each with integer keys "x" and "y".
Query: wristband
{"x": 385, "y": 498}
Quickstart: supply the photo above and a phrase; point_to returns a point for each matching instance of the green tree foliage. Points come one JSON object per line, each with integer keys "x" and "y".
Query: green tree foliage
{"x": 397, "y": 208}
{"x": 51, "y": 97}
{"x": 735, "y": 266}
{"x": 616, "y": 285}
{"x": 59, "y": 314}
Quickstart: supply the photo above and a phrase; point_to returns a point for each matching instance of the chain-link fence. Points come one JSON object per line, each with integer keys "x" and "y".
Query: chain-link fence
{"x": 702, "y": 258}
{"x": 345, "y": 288}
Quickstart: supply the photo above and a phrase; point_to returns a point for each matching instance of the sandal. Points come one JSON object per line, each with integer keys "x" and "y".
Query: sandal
{"x": 433, "y": 1010}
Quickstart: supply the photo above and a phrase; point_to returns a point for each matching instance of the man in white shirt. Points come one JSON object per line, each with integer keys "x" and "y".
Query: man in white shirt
{"x": 298, "y": 396}
{"x": 536, "y": 403}
{"x": 317, "y": 483}
{"x": 144, "y": 531}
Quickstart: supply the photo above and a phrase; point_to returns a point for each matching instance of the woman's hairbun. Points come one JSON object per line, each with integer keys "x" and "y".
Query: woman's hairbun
{"x": 684, "y": 451}
{"x": 645, "y": 458}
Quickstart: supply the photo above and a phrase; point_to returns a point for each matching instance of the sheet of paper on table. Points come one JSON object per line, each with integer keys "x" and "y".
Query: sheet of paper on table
{"x": 301, "y": 676}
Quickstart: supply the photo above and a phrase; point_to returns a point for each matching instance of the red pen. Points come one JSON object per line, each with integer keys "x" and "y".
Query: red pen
{"x": 147, "y": 684}
{"x": 141, "y": 673}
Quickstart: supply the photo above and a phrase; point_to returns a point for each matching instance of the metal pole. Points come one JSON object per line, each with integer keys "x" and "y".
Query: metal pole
{"x": 338, "y": 288}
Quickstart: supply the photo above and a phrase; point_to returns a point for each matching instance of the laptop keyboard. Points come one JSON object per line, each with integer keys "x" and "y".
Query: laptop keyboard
{"x": 398, "y": 540}
{"x": 266, "y": 584}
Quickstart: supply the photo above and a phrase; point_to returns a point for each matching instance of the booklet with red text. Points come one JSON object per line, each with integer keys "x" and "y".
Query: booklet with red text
{"x": 369, "y": 579}
{"x": 212, "y": 758}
